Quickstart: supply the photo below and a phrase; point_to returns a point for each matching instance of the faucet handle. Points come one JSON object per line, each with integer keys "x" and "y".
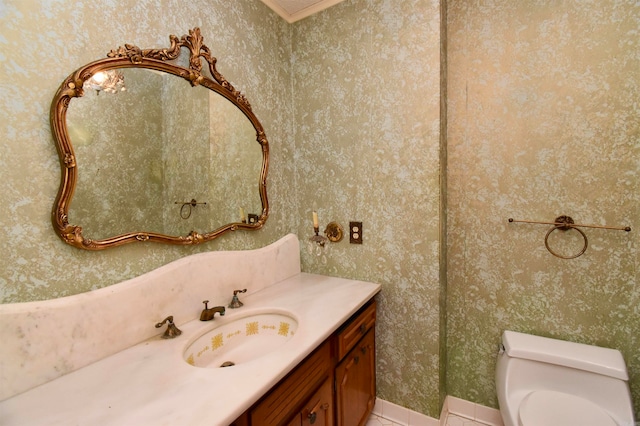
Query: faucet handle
{"x": 171, "y": 331}
{"x": 235, "y": 302}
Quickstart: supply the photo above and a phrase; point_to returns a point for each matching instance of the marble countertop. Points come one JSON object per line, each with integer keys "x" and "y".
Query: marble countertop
{"x": 151, "y": 384}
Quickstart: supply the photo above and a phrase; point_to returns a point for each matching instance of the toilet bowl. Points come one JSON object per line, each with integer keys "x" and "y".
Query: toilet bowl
{"x": 548, "y": 382}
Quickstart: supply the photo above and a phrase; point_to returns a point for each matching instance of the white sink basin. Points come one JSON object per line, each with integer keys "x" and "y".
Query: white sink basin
{"x": 241, "y": 340}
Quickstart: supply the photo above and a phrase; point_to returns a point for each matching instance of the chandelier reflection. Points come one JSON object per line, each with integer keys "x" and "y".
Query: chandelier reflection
{"x": 111, "y": 81}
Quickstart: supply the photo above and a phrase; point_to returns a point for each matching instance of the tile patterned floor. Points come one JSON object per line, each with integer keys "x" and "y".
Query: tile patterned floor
{"x": 452, "y": 420}
{"x": 379, "y": 421}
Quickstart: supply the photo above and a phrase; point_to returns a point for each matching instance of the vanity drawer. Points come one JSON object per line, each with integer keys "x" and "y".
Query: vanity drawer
{"x": 277, "y": 406}
{"x": 358, "y": 327}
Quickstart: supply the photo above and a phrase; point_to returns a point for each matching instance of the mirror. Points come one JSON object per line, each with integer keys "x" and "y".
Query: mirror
{"x": 151, "y": 150}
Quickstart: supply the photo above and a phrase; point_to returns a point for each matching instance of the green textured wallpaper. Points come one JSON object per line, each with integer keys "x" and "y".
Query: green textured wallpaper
{"x": 367, "y": 102}
{"x": 119, "y": 184}
{"x": 542, "y": 120}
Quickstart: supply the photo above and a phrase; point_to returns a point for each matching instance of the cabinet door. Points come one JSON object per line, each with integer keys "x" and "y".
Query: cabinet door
{"x": 356, "y": 383}
{"x": 295, "y": 421}
{"x": 318, "y": 411}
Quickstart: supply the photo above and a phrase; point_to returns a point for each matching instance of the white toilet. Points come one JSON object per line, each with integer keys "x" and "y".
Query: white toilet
{"x": 549, "y": 382}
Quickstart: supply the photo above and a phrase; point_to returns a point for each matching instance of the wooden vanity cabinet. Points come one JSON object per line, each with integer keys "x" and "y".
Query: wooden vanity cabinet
{"x": 355, "y": 383}
{"x": 294, "y": 394}
{"x": 355, "y": 373}
{"x": 243, "y": 420}
{"x": 335, "y": 385}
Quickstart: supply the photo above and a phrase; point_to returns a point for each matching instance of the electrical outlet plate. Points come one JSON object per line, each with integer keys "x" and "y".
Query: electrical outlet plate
{"x": 355, "y": 232}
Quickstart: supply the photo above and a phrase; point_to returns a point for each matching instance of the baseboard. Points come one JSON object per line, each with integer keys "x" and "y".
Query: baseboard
{"x": 470, "y": 410}
{"x": 452, "y": 405}
{"x": 401, "y": 415}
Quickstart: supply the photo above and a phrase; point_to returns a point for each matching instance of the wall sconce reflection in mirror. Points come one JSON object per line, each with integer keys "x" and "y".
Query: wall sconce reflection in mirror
{"x": 248, "y": 218}
{"x": 318, "y": 243}
{"x": 110, "y": 81}
{"x": 185, "y": 210}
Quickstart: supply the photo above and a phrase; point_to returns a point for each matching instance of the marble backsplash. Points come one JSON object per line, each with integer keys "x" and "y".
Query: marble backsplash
{"x": 46, "y": 339}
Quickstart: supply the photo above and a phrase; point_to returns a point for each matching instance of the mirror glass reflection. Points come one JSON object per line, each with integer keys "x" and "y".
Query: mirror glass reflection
{"x": 144, "y": 152}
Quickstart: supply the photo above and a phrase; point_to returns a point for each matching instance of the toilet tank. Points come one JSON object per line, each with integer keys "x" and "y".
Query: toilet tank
{"x": 532, "y": 363}
{"x": 604, "y": 361}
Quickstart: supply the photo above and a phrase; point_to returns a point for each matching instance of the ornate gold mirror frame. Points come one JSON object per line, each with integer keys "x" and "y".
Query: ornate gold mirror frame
{"x": 131, "y": 56}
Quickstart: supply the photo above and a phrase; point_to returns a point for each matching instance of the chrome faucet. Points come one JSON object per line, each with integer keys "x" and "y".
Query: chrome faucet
{"x": 208, "y": 313}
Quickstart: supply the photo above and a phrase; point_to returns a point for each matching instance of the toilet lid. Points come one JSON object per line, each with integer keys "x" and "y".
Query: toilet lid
{"x": 551, "y": 408}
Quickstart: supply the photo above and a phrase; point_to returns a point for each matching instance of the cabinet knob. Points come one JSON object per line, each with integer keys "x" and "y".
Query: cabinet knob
{"x": 312, "y": 416}
{"x": 363, "y": 328}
